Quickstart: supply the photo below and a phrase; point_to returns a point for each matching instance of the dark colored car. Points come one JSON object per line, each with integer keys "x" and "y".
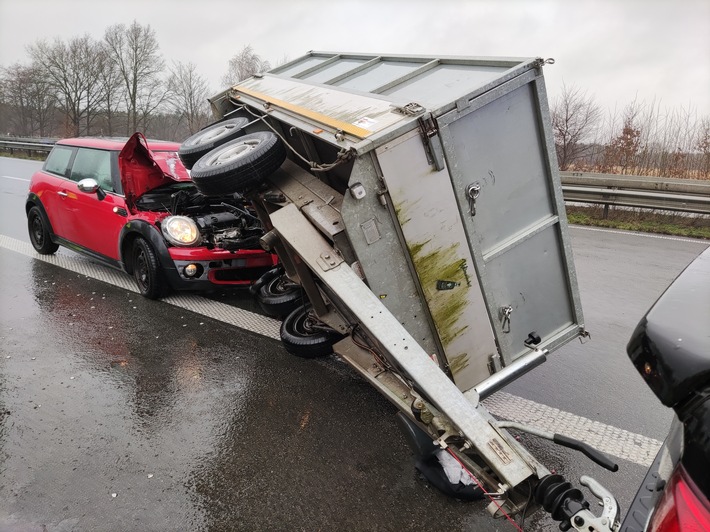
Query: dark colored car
{"x": 132, "y": 205}
{"x": 671, "y": 350}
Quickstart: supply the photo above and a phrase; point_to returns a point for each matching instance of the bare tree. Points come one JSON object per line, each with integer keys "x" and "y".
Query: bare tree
{"x": 28, "y": 100}
{"x": 243, "y": 65}
{"x": 188, "y": 92}
{"x": 135, "y": 51}
{"x": 703, "y": 146}
{"x": 575, "y": 117}
{"x": 112, "y": 89}
{"x": 621, "y": 153}
{"x": 72, "y": 68}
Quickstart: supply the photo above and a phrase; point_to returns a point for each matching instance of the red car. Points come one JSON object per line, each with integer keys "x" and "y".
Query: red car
{"x": 131, "y": 204}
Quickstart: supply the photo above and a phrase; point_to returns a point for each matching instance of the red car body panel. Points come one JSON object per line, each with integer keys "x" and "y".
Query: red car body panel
{"x": 86, "y": 223}
{"x": 142, "y": 170}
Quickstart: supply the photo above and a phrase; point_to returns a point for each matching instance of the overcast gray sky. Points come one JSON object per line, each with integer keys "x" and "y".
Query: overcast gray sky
{"x": 617, "y": 50}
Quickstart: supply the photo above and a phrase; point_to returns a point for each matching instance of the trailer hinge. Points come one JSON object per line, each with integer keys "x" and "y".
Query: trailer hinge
{"x": 432, "y": 142}
{"x": 411, "y": 109}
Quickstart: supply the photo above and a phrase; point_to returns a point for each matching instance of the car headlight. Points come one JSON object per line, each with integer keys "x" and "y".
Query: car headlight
{"x": 180, "y": 230}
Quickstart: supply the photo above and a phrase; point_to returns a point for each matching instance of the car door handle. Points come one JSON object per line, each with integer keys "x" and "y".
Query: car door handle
{"x": 62, "y": 194}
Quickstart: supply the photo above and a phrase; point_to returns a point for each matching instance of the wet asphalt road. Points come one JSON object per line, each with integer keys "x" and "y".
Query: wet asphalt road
{"x": 196, "y": 425}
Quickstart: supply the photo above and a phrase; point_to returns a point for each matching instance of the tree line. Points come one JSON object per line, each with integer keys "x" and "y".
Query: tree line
{"x": 121, "y": 83}
{"x": 641, "y": 139}
{"x": 110, "y": 87}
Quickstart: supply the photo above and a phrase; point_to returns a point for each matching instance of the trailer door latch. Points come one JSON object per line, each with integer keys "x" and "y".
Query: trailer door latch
{"x": 432, "y": 142}
{"x": 505, "y": 313}
{"x": 472, "y": 193}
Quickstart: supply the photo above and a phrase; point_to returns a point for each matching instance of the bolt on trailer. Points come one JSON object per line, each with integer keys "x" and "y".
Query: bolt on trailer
{"x": 417, "y": 204}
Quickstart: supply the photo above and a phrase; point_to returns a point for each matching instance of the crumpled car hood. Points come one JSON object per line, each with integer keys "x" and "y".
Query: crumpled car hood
{"x": 143, "y": 170}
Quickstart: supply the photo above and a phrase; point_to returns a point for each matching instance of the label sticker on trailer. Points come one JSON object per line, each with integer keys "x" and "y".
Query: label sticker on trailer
{"x": 365, "y": 122}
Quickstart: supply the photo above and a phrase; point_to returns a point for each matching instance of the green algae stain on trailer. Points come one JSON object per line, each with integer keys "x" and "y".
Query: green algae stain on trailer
{"x": 446, "y": 305}
{"x": 458, "y": 363}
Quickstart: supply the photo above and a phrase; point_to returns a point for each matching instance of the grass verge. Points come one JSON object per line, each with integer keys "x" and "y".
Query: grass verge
{"x": 665, "y": 223}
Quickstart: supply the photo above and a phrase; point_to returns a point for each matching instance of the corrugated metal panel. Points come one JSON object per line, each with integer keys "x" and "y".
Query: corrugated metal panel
{"x": 379, "y": 74}
{"x": 427, "y": 80}
{"x": 444, "y": 83}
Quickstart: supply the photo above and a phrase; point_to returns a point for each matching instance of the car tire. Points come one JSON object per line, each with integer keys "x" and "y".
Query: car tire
{"x": 40, "y": 232}
{"x": 303, "y": 335}
{"x": 238, "y": 164}
{"x": 204, "y": 141}
{"x": 146, "y": 270}
{"x": 279, "y": 296}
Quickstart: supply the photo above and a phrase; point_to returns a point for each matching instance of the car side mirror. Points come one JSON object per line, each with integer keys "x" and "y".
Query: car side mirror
{"x": 90, "y": 186}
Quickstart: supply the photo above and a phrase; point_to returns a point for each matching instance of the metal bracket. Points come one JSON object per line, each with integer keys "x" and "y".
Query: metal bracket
{"x": 329, "y": 260}
{"x": 411, "y": 109}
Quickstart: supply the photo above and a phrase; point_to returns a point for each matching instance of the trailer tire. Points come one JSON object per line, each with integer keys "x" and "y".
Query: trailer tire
{"x": 239, "y": 164}
{"x": 207, "y": 139}
{"x": 302, "y": 339}
{"x": 279, "y": 296}
{"x": 273, "y": 272}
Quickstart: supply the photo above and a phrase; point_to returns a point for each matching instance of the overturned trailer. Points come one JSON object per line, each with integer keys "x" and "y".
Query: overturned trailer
{"x": 416, "y": 202}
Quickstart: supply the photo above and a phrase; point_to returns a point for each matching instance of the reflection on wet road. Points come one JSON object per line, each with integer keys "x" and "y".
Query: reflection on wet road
{"x": 126, "y": 414}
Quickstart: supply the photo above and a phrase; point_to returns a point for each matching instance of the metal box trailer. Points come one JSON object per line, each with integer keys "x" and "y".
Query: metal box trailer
{"x": 420, "y": 210}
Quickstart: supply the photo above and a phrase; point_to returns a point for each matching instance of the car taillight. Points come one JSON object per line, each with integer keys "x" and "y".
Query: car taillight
{"x": 682, "y": 508}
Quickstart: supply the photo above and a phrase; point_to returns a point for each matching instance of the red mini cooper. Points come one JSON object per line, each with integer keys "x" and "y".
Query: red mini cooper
{"x": 131, "y": 204}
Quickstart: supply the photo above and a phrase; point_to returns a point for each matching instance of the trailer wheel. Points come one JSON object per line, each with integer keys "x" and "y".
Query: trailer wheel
{"x": 238, "y": 164}
{"x": 204, "y": 141}
{"x": 305, "y": 336}
{"x": 279, "y": 296}
{"x": 273, "y": 272}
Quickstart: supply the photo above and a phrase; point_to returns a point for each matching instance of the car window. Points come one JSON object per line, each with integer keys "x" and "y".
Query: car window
{"x": 58, "y": 160}
{"x": 95, "y": 164}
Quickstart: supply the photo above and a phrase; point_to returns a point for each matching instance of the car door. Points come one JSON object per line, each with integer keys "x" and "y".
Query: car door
{"x": 50, "y": 186}
{"x": 93, "y": 223}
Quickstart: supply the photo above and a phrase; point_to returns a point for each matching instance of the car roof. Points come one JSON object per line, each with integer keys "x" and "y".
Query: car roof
{"x": 117, "y": 143}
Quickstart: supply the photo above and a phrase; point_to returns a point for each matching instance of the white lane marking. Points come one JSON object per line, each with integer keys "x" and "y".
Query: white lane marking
{"x": 645, "y": 235}
{"x": 608, "y": 439}
{"x": 16, "y": 178}
{"x": 611, "y": 440}
{"x": 219, "y": 311}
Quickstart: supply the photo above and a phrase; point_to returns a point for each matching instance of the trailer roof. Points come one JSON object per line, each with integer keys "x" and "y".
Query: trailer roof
{"x": 431, "y": 81}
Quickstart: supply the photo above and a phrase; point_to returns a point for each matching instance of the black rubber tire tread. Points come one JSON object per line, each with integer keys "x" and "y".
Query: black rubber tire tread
{"x": 40, "y": 232}
{"x": 152, "y": 286}
{"x": 194, "y": 147}
{"x": 275, "y": 301}
{"x": 241, "y": 173}
{"x": 315, "y": 345}
{"x": 273, "y": 272}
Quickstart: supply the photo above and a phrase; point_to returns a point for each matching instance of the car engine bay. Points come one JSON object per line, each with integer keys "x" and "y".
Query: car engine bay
{"x": 225, "y": 222}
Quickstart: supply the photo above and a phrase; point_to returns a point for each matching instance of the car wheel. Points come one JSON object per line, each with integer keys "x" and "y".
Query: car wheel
{"x": 40, "y": 234}
{"x": 304, "y": 335}
{"x": 146, "y": 270}
{"x": 279, "y": 296}
{"x": 209, "y": 138}
{"x": 239, "y": 164}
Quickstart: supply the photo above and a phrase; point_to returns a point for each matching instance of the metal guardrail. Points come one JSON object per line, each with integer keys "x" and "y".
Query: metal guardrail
{"x": 642, "y": 192}
{"x": 680, "y": 195}
{"x": 26, "y": 145}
